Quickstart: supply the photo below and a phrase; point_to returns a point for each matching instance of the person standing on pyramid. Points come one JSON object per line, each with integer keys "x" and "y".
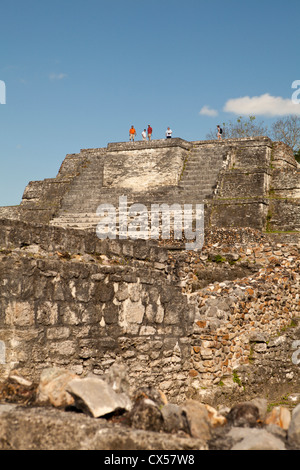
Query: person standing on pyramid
{"x": 168, "y": 133}
{"x": 149, "y": 132}
{"x": 132, "y": 133}
{"x": 220, "y": 132}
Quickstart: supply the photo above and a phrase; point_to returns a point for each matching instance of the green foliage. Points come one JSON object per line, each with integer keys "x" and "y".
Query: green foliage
{"x": 219, "y": 259}
{"x": 236, "y": 379}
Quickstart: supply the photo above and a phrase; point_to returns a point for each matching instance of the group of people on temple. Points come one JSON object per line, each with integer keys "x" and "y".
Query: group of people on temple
{"x": 147, "y": 133}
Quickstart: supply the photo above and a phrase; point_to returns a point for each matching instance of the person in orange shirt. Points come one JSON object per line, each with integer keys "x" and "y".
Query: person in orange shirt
{"x": 132, "y": 133}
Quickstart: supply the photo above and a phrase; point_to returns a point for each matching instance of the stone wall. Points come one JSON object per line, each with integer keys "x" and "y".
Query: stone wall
{"x": 84, "y": 316}
{"x": 246, "y": 293}
{"x": 143, "y": 169}
{"x": 259, "y": 188}
{"x": 185, "y": 322}
{"x": 242, "y": 182}
{"x": 42, "y": 199}
{"x": 86, "y": 306}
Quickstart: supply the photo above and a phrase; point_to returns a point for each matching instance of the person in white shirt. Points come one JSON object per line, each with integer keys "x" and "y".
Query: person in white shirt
{"x": 168, "y": 133}
{"x": 144, "y": 135}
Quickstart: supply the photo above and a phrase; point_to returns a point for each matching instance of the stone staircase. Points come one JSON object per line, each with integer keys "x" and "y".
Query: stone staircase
{"x": 241, "y": 182}
{"x": 86, "y": 193}
{"x": 200, "y": 175}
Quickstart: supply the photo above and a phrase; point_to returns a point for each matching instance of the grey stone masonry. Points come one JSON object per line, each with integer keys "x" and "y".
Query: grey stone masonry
{"x": 250, "y": 182}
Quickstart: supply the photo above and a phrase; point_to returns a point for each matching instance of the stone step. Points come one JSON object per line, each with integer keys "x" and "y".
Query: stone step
{"x": 196, "y": 188}
{"x": 91, "y": 205}
{"x": 198, "y": 181}
{"x": 207, "y": 161}
{"x": 93, "y": 225}
{"x": 199, "y": 176}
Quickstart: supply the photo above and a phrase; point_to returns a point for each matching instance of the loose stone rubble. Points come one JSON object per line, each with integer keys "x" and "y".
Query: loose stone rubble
{"x": 242, "y": 291}
{"x": 143, "y": 421}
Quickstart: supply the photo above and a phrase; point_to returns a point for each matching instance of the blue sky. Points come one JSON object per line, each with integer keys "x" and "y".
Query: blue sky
{"x": 79, "y": 73}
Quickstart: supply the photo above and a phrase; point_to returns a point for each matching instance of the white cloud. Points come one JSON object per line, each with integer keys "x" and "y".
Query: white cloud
{"x": 207, "y": 111}
{"x": 266, "y": 105}
{"x": 57, "y": 76}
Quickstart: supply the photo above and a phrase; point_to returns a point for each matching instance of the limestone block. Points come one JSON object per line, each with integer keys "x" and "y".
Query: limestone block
{"x": 255, "y": 439}
{"x": 140, "y": 170}
{"x": 122, "y": 292}
{"x": 58, "y": 332}
{"x": 96, "y": 397}
{"x": 133, "y": 312}
{"x": 63, "y": 348}
{"x": 155, "y": 313}
{"x": 135, "y": 292}
{"x": 19, "y": 314}
{"x": 52, "y": 387}
{"x": 147, "y": 331}
{"x": 47, "y": 313}
{"x": 71, "y": 314}
{"x": 280, "y": 416}
{"x": 198, "y": 419}
{"x": 294, "y": 427}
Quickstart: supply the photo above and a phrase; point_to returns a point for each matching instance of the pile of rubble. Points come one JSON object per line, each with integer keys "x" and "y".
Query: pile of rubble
{"x": 106, "y": 415}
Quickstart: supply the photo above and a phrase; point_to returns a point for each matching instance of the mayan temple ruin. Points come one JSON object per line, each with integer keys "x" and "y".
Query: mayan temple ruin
{"x": 208, "y": 323}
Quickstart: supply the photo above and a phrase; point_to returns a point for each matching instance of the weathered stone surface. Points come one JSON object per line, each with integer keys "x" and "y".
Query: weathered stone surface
{"x": 255, "y": 439}
{"x": 146, "y": 415}
{"x": 216, "y": 419}
{"x": 280, "y": 416}
{"x": 96, "y": 397}
{"x": 52, "y": 387}
{"x": 198, "y": 419}
{"x": 245, "y": 182}
{"x": 77, "y": 298}
{"x": 218, "y": 327}
{"x": 243, "y": 414}
{"x": 143, "y": 169}
{"x": 294, "y": 428}
{"x": 174, "y": 419}
{"x": 184, "y": 426}
{"x": 52, "y": 429}
{"x": 262, "y": 406}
